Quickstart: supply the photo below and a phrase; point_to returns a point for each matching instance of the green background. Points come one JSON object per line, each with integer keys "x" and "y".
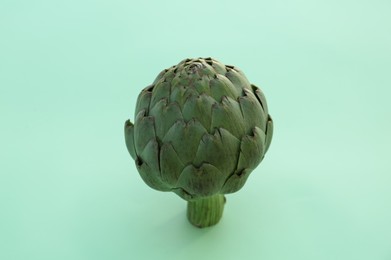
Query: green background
{"x": 70, "y": 73}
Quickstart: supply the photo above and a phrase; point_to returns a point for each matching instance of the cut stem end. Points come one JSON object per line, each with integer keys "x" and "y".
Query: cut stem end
{"x": 206, "y": 212}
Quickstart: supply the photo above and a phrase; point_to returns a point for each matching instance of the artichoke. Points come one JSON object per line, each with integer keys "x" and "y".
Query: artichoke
{"x": 200, "y": 129}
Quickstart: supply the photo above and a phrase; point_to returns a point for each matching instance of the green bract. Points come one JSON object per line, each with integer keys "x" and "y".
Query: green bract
{"x": 200, "y": 129}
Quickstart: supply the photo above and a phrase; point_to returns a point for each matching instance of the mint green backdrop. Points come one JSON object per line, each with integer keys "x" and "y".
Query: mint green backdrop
{"x": 70, "y": 73}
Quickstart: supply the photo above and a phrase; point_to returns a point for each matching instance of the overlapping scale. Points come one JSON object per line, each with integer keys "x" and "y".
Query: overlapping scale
{"x": 185, "y": 138}
{"x": 144, "y": 99}
{"x": 199, "y": 107}
{"x": 144, "y": 131}
{"x": 165, "y": 115}
{"x": 148, "y": 166}
{"x": 202, "y": 181}
{"x": 220, "y": 149}
{"x": 227, "y": 115}
{"x": 171, "y": 166}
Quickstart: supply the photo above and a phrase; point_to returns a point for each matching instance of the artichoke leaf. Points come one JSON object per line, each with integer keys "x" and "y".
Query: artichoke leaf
{"x": 233, "y": 89}
{"x": 269, "y": 133}
{"x": 202, "y": 181}
{"x": 144, "y": 131}
{"x": 202, "y": 85}
{"x": 220, "y": 150}
{"x": 160, "y": 76}
{"x": 261, "y": 98}
{"x": 185, "y": 138}
{"x": 226, "y": 115}
{"x": 144, "y": 99}
{"x": 129, "y": 138}
{"x": 181, "y": 192}
{"x": 170, "y": 74}
{"x": 176, "y": 81}
{"x": 199, "y": 107}
{"x": 171, "y": 165}
{"x": 189, "y": 93}
{"x": 252, "y": 149}
{"x": 236, "y": 181}
{"x": 148, "y": 166}
{"x": 165, "y": 115}
{"x": 185, "y": 78}
{"x": 218, "y": 67}
{"x": 178, "y": 95}
{"x": 239, "y": 71}
{"x": 207, "y": 70}
{"x": 220, "y": 88}
{"x": 239, "y": 81}
{"x": 252, "y": 112}
{"x": 160, "y": 91}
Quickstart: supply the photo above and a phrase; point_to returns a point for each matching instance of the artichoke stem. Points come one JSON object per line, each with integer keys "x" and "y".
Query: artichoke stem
{"x": 205, "y": 212}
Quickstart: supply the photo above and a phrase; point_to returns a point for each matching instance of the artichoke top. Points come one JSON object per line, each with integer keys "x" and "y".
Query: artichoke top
{"x": 200, "y": 129}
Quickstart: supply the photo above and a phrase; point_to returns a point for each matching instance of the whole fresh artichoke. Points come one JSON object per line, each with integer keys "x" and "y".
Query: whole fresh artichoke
{"x": 200, "y": 129}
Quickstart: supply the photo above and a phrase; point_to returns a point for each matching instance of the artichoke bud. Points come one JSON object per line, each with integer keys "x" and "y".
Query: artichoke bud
{"x": 200, "y": 129}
